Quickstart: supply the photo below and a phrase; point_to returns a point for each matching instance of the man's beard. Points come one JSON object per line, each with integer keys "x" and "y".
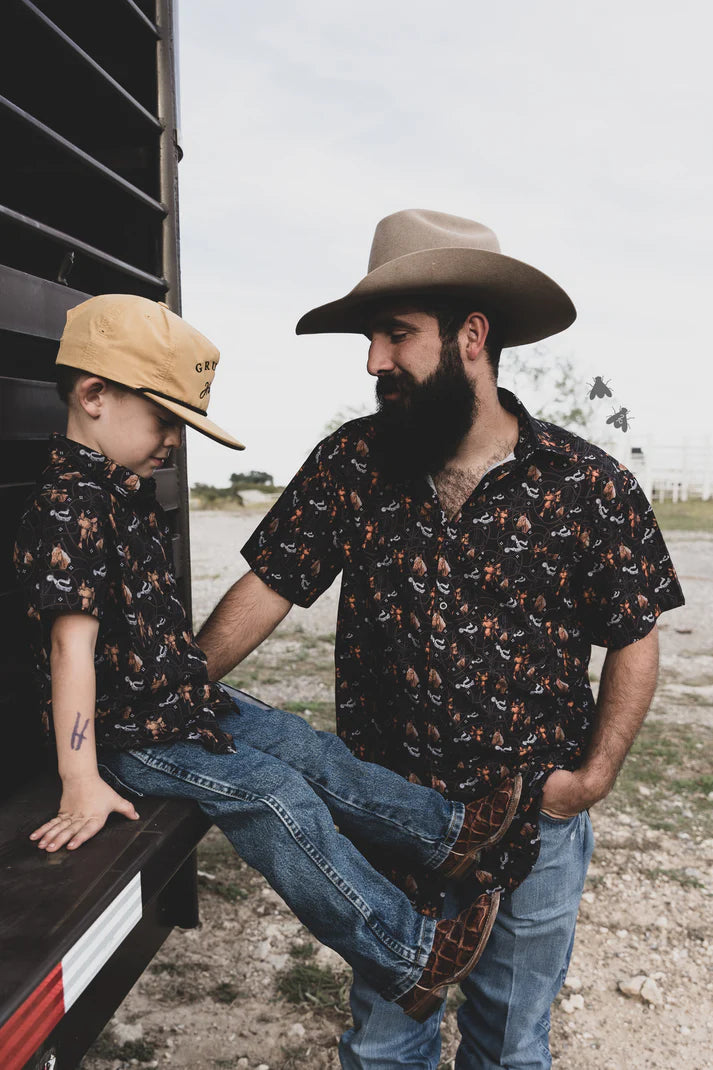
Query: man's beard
{"x": 421, "y": 430}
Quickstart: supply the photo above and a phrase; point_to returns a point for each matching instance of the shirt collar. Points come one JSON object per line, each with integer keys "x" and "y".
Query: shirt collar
{"x": 534, "y": 434}
{"x": 69, "y": 455}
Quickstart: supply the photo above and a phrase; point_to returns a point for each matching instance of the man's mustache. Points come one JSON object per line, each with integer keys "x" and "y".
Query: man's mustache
{"x": 392, "y": 384}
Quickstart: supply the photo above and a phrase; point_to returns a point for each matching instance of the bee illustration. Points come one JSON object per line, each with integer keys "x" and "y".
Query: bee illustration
{"x": 599, "y": 389}
{"x": 620, "y": 419}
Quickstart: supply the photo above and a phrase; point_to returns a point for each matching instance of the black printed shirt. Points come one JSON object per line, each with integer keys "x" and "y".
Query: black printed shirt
{"x": 463, "y": 644}
{"x": 94, "y": 540}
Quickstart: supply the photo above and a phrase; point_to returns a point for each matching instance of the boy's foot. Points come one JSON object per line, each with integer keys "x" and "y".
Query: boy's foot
{"x": 485, "y": 823}
{"x": 457, "y": 946}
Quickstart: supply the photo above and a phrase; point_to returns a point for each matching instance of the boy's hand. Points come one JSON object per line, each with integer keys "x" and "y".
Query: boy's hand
{"x": 83, "y": 810}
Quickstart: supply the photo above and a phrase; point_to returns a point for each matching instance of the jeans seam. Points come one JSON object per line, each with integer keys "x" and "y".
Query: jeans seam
{"x": 415, "y": 958}
{"x": 442, "y": 845}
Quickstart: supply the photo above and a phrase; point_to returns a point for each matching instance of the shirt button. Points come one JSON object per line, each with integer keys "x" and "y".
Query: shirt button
{"x": 444, "y": 605}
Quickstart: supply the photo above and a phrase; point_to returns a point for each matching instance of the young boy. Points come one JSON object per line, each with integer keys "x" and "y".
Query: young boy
{"x": 125, "y": 689}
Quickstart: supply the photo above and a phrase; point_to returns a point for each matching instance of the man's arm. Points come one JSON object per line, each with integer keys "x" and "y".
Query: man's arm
{"x": 625, "y": 691}
{"x": 87, "y": 800}
{"x": 245, "y": 615}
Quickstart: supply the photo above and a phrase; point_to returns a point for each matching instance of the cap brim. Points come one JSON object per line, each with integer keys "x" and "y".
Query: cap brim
{"x": 196, "y": 421}
{"x": 529, "y": 305}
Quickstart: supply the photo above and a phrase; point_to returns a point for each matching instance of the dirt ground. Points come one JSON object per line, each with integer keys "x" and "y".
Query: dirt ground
{"x": 250, "y": 988}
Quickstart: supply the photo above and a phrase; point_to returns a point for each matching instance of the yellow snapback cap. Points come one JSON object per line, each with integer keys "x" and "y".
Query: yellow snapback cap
{"x": 142, "y": 344}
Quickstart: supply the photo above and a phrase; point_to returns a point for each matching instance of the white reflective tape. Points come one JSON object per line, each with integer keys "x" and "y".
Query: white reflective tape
{"x": 83, "y": 962}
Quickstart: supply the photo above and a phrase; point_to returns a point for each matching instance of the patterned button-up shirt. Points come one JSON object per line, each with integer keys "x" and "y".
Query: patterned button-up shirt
{"x": 463, "y": 644}
{"x": 94, "y": 540}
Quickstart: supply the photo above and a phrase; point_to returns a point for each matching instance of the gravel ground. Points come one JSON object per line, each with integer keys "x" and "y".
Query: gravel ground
{"x": 640, "y": 988}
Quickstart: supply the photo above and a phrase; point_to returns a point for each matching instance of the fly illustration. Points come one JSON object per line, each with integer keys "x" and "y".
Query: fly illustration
{"x": 599, "y": 389}
{"x": 620, "y": 419}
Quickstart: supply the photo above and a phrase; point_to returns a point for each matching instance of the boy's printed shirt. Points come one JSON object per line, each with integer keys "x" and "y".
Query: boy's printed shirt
{"x": 95, "y": 540}
{"x": 463, "y": 644}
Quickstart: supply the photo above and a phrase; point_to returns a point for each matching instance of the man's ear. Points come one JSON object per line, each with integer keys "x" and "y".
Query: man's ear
{"x": 91, "y": 392}
{"x": 476, "y": 329}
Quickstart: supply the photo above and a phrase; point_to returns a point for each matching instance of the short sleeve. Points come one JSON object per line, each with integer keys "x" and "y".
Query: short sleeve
{"x": 629, "y": 577}
{"x": 296, "y": 548}
{"x": 60, "y": 553}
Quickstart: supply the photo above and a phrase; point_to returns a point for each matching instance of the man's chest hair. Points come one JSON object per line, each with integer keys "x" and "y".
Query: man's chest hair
{"x": 455, "y": 485}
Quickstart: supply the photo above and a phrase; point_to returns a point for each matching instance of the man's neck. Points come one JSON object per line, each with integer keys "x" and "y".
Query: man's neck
{"x": 492, "y": 437}
{"x": 494, "y": 430}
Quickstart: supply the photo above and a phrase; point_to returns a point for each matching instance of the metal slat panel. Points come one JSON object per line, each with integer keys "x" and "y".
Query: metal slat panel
{"x": 67, "y": 241}
{"x": 88, "y": 61}
{"x": 167, "y": 490}
{"x": 83, "y": 157}
{"x": 34, "y": 306}
{"x": 29, "y": 409}
{"x": 133, "y": 7}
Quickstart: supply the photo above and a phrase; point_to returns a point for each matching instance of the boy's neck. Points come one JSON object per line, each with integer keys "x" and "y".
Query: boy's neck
{"x": 77, "y": 432}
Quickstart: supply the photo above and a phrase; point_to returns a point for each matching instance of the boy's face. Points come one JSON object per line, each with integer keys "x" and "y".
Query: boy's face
{"x": 126, "y": 427}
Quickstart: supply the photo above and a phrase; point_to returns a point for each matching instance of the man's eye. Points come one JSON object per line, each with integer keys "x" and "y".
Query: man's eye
{"x": 396, "y": 337}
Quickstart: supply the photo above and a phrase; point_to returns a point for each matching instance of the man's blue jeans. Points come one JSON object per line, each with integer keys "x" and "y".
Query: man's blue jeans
{"x": 505, "y": 1019}
{"x": 277, "y": 800}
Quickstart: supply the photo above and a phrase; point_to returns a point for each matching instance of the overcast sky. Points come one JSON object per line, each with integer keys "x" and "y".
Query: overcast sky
{"x": 579, "y": 132}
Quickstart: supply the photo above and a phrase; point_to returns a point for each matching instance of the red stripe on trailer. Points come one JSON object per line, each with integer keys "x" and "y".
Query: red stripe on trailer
{"x": 32, "y": 1022}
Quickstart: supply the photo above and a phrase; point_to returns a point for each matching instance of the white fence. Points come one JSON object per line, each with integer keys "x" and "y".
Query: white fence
{"x": 676, "y": 472}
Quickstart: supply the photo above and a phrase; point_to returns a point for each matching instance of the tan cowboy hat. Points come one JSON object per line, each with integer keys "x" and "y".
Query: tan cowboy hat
{"x": 419, "y": 252}
{"x": 143, "y": 345}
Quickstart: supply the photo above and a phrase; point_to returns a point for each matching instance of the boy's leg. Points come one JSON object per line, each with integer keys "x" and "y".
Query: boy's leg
{"x": 382, "y": 1038}
{"x": 279, "y": 825}
{"x": 367, "y": 801}
{"x": 505, "y": 1019}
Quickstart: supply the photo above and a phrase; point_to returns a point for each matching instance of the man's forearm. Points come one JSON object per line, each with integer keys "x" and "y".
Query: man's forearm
{"x": 626, "y": 688}
{"x": 246, "y": 615}
{"x": 625, "y": 692}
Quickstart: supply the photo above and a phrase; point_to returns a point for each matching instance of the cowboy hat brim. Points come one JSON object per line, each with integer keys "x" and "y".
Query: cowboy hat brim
{"x": 527, "y": 304}
{"x": 195, "y": 420}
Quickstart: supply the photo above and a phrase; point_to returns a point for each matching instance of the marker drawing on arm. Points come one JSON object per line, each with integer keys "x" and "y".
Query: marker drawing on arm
{"x": 77, "y": 736}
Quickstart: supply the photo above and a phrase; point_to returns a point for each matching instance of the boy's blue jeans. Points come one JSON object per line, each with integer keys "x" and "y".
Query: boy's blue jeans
{"x": 505, "y": 1019}
{"x": 277, "y": 800}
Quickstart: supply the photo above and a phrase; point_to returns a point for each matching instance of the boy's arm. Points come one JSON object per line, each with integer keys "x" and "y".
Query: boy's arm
{"x": 87, "y": 800}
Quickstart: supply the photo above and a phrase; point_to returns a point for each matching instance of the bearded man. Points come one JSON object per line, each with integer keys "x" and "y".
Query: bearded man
{"x": 482, "y": 553}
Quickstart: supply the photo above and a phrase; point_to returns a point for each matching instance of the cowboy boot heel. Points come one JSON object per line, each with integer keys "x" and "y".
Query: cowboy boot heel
{"x": 457, "y": 947}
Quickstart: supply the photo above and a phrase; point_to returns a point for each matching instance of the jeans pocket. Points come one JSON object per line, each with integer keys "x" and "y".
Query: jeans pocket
{"x": 548, "y": 819}
{"x": 116, "y": 783}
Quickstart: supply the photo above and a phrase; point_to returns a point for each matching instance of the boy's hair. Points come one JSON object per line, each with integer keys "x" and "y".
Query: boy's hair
{"x": 67, "y": 378}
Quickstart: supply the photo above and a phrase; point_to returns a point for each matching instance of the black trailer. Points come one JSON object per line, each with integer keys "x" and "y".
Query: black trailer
{"x": 88, "y": 205}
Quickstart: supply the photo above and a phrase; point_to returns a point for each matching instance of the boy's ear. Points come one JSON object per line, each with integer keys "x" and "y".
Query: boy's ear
{"x": 91, "y": 392}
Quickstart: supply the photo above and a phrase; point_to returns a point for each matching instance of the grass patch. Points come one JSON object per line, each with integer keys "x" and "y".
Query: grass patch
{"x": 321, "y": 712}
{"x": 315, "y": 986}
{"x": 225, "y": 992}
{"x": 669, "y": 761}
{"x": 178, "y": 969}
{"x": 686, "y": 880}
{"x": 105, "y": 1047}
{"x": 295, "y": 1058}
{"x": 692, "y": 515}
{"x": 695, "y": 785}
{"x": 302, "y": 951}
{"x": 228, "y": 890}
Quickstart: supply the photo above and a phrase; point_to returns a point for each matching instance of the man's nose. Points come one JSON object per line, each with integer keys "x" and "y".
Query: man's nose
{"x": 379, "y": 357}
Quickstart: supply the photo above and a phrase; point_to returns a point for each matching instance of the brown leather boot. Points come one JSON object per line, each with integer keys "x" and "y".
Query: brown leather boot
{"x": 486, "y": 822}
{"x": 457, "y": 946}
